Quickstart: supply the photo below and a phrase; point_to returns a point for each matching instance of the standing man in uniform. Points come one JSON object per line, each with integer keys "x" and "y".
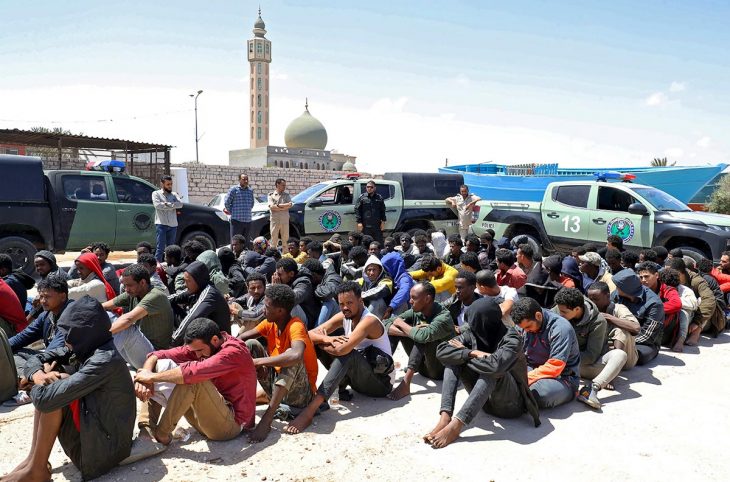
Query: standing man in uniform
{"x": 239, "y": 202}
{"x": 370, "y": 213}
{"x": 464, "y": 204}
{"x": 279, "y": 204}
{"x": 166, "y": 204}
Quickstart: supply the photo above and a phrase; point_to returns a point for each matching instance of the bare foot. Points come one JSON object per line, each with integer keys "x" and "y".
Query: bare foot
{"x": 679, "y": 346}
{"x": 444, "y": 420}
{"x": 447, "y": 434}
{"x": 402, "y": 390}
{"x": 694, "y": 335}
{"x": 260, "y": 433}
{"x": 28, "y": 474}
{"x": 299, "y": 424}
{"x": 163, "y": 438}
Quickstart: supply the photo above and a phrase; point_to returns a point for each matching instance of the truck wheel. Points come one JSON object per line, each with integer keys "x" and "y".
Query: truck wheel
{"x": 21, "y": 251}
{"x": 532, "y": 241}
{"x": 694, "y": 253}
{"x": 201, "y": 236}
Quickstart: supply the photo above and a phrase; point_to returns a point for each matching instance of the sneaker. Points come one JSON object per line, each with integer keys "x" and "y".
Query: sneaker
{"x": 591, "y": 399}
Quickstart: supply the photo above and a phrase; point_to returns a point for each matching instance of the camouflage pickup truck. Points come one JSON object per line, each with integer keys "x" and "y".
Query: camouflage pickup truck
{"x": 66, "y": 210}
{"x": 578, "y": 212}
{"x": 412, "y": 201}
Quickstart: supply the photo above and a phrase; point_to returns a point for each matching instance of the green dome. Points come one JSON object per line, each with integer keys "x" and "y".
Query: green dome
{"x": 349, "y": 167}
{"x": 306, "y": 132}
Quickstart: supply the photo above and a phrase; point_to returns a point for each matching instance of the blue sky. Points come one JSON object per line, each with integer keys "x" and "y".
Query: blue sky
{"x": 406, "y": 82}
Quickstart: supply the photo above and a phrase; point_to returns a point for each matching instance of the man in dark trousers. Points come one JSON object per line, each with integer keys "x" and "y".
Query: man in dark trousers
{"x": 370, "y": 213}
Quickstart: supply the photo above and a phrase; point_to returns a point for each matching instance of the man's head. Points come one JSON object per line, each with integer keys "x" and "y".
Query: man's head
{"x": 679, "y": 264}
{"x": 359, "y": 256}
{"x": 485, "y": 240}
{"x": 647, "y": 255}
{"x": 527, "y": 314}
{"x": 280, "y": 185}
{"x": 173, "y": 255}
{"x": 661, "y": 254}
{"x": 704, "y": 266}
{"x": 405, "y": 241}
{"x": 613, "y": 259}
{"x": 255, "y": 285}
{"x": 143, "y": 247}
{"x": 260, "y": 245}
{"x": 83, "y": 269}
{"x": 421, "y": 243}
{"x": 373, "y": 268}
{"x": 136, "y": 280}
{"x": 304, "y": 243}
{"x": 725, "y": 262}
{"x": 464, "y": 190}
{"x": 166, "y": 183}
{"x": 349, "y": 297}
{"x": 422, "y": 296}
{"x": 487, "y": 283}
{"x": 600, "y": 294}
{"x": 279, "y": 300}
{"x": 52, "y": 293}
{"x": 589, "y": 263}
{"x": 370, "y": 188}
{"x": 628, "y": 285}
{"x": 292, "y": 245}
{"x": 389, "y": 244}
{"x": 355, "y": 237}
{"x": 238, "y": 244}
{"x": 614, "y": 241}
{"x": 196, "y": 277}
{"x": 287, "y": 270}
{"x": 525, "y": 254}
{"x": 505, "y": 259}
{"x": 473, "y": 244}
{"x": 455, "y": 244}
{"x": 629, "y": 259}
{"x": 465, "y": 283}
{"x": 374, "y": 249}
{"x": 676, "y": 253}
{"x": 192, "y": 249}
{"x": 44, "y": 263}
{"x": 203, "y": 337}
{"x": 315, "y": 268}
{"x": 649, "y": 275}
{"x": 148, "y": 261}
{"x": 470, "y": 262}
{"x": 670, "y": 277}
{"x": 432, "y": 266}
{"x": 243, "y": 180}
{"x": 6, "y": 264}
{"x": 101, "y": 250}
{"x": 570, "y": 303}
{"x": 314, "y": 250}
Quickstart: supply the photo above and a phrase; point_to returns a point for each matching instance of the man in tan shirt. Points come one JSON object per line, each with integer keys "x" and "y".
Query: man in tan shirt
{"x": 279, "y": 204}
{"x": 464, "y": 204}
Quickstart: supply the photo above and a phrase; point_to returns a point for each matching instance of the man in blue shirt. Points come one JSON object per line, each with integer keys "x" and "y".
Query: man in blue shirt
{"x": 239, "y": 203}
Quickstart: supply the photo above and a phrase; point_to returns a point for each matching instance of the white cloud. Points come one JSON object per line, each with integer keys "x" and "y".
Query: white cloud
{"x": 704, "y": 142}
{"x": 674, "y": 152}
{"x": 657, "y": 99}
{"x": 462, "y": 80}
{"x": 677, "y": 86}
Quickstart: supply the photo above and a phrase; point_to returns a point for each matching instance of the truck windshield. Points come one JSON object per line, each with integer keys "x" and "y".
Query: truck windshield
{"x": 307, "y": 193}
{"x": 661, "y": 200}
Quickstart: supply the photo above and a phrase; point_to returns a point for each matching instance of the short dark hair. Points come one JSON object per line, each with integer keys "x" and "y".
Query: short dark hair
{"x": 485, "y": 237}
{"x": 102, "y": 246}
{"x": 428, "y": 288}
{"x": 677, "y": 253}
{"x": 201, "y": 329}
{"x": 505, "y": 256}
{"x": 281, "y": 296}
{"x": 306, "y": 240}
{"x": 242, "y": 174}
{"x": 279, "y": 181}
{"x": 137, "y": 272}
{"x": 704, "y": 266}
{"x": 430, "y": 262}
{"x": 580, "y": 250}
{"x": 486, "y": 278}
{"x": 527, "y": 250}
{"x": 725, "y": 253}
{"x": 174, "y": 251}
{"x": 287, "y": 264}
{"x": 345, "y": 247}
{"x": 193, "y": 248}
{"x": 405, "y": 236}
{"x": 670, "y": 277}
{"x": 629, "y": 258}
{"x": 525, "y": 309}
{"x": 166, "y": 178}
{"x": 293, "y": 240}
{"x": 350, "y": 286}
{"x": 456, "y": 239}
{"x": 473, "y": 239}
{"x": 464, "y": 186}
{"x": 314, "y": 266}
{"x": 315, "y": 246}
{"x": 377, "y": 245}
{"x": 678, "y": 264}
{"x": 661, "y": 253}
{"x": 599, "y": 286}
{"x": 148, "y": 259}
{"x": 356, "y": 235}
{"x": 649, "y": 266}
{"x": 55, "y": 283}
{"x": 6, "y": 262}
{"x": 144, "y": 244}
{"x": 468, "y": 276}
{"x": 570, "y": 297}
{"x": 256, "y": 276}
{"x": 420, "y": 237}
{"x": 471, "y": 260}
{"x": 358, "y": 252}
{"x": 616, "y": 241}
{"x": 239, "y": 238}
{"x": 366, "y": 240}
{"x": 649, "y": 255}
{"x": 614, "y": 254}
{"x": 272, "y": 252}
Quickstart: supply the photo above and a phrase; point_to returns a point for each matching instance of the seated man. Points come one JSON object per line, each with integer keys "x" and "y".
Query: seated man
{"x": 536, "y": 281}
{"x": 420, "y": 330}
{"x": 675, "y": 330}
{"x": 709, "y": 316}
{"x": 353, "y": 269}
{"x": 101, "y": 251}
{"x": 466, "y": 285}
{"x": 203, "y": 300}
{"x": 232, "y": 271}
{"x": 91, "y": 280}
{"x": 508, "y": 273}
{"x": 300, "y": 280}
{"x": 91, "y": 412}
{"x": 552, "y": 352}
{"x": 287, "y": 367}
{"x": 650, "y": 277}
{"x": 489, "y": 359}
{"x": 360, "y": 358}
{"x": 722, "y": 272}
{"x": 238, "y": 246}
{"x": 377, "y": 287}
{"x": 248, "y": 310}
{"x": 439, "y": 274}
{"x": 325, "y": 280}
{"x": 469, "y": 262}
{"x": 147, "y": 322}
{"x": 256, "y": 261}
{"x": 453, "y": 257}
{"x": 295, "y": 251}
{"x": 174, "y": 265}
{"x": 647, "y": 307}
{"x": 210, "y": 259}
{"x": 591, "y": 265}
{"x": 46, "y": 265}
{"x": 505, "y": 296}
{"x": 407, "y": 250}
{"x": 214, "y": 385}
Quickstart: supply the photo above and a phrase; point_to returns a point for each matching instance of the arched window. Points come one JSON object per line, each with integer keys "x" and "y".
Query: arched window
{"x": 258, "y": 100}
{"x": 259, "y": 48}
{"x": 258, "y": 67}
{"x": 287, "y": 164}
{"x": 306, "y": 165}
{"x": 250, "y": 49}
{"x": 259, "y": 117}
{"x": 258, "y": 132}
{"x": 258, "y": 83}
{"x": 251, "y": 132}
{"x": 251, "y": 117}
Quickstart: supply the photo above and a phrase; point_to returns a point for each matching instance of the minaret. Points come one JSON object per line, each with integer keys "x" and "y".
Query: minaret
{"x": 259, "y": 57}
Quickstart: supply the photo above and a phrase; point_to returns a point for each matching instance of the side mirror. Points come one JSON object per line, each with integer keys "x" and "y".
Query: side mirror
{"x": 638, "y": 208}
{"x": 315, "y": 203}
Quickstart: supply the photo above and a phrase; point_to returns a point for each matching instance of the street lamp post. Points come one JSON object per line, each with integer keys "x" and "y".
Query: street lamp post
{"x": 195, "y": 96}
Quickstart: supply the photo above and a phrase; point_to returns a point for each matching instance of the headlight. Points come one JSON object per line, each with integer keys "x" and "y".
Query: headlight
{"x": 719, "y": 228}
{"x": 221, "y": 215}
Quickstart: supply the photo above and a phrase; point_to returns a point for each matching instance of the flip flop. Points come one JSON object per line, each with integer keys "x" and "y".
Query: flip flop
{"x": 22, "y": 398}
{"x": 143, "y": 448}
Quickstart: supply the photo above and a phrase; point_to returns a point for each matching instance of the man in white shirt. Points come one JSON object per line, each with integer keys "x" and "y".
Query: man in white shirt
{"x": 504, "y": 296}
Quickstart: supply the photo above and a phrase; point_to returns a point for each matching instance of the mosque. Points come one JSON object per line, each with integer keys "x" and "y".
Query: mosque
{"x": 305, "y": 137}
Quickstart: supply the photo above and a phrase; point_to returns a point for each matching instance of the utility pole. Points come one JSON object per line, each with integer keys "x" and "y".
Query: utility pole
{"x": 195, "y": 96}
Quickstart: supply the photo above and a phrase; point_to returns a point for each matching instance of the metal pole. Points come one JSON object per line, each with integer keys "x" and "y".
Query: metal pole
{"x": 197, "y": 158}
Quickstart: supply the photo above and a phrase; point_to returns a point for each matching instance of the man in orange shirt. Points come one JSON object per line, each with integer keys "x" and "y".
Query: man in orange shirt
{"x": 288, "y": 370}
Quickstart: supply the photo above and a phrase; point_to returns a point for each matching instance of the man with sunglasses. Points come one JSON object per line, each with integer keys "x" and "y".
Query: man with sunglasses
{"x": 370, "y": 212}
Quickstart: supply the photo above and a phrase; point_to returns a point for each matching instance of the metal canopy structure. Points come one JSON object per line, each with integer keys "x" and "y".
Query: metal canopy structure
{"x": 148, "y": 159}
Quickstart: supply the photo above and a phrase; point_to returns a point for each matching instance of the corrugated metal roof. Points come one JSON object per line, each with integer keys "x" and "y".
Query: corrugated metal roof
{"x": 71, "y": 141}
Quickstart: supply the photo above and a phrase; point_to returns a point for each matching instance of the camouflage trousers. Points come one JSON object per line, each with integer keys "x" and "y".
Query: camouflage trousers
{"x": 293, "y": 378}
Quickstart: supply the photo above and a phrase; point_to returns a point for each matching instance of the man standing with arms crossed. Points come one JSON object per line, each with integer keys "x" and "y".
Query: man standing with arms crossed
{"x": 464, "y": 204}
{"x": 370, "y": 212}
{"x": 239, "y": 202}
{"x": 279, "y": 204}
{"x": 166, "y": 204}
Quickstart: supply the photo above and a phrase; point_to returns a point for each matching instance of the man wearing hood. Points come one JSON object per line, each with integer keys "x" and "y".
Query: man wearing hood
{"x": 202, "y": 299}
{"x": 91, "y": 280}
{"x": 597, "y": 362}
{"x": 255, "y": 260}
{"x": 488, "y": 358}
{"x": 553, "y": 355}
{"x": 300, "y": 280}
{"x": 420, "y": 330}
{"x": 648, "y": 309}
{"x": 18, "y": 280}
{"x": 591, "y": 265}
{"x": 377, "y": 287}
{"x": 215, "y": 271}
{"x": 101, "y": 251}
{"x": 396, "y": 268}
{"x": 46, "y": 265}
{"x": 91, "y": 412}
{"x": 325, "y": 282}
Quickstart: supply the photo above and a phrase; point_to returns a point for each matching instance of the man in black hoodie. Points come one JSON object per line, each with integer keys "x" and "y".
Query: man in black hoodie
{"x": 300, "y": 280}
{"x": 202, "y": 300}
{"x": 91, "y": 412}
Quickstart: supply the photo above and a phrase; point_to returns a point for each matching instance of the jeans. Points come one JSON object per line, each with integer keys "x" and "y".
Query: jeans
{"x": 479, "y": 392}
{"x": 354, "y": 370}
{"x": 421, "y": 357}
{"x": 606, "y": 368}
{"x": 133, "y": 346}
{"x": 329, "y": 309}
{"x": 646, "y": 353}
{"x": 165, "y": 237}
{"x": 551, "y": 392}
{"x": 239, "y": 227}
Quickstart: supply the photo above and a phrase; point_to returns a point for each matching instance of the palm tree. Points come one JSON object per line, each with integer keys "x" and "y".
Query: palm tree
{"x": 661, "y": 162}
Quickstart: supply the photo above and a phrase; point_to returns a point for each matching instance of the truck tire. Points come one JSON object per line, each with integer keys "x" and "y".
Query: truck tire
{"x": 694, "y": 253}
{"x": 532, "y": 241}
{"x": 21, "y": 251}
{"x": 201, "y": 236}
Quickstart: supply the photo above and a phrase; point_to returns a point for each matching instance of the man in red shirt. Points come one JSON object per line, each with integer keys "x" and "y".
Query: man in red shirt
{"x": 287, "y": 367}
{"x": 12, "y": 317}
{"x": 508, "y": 273}
{"x": 215, "y": 385}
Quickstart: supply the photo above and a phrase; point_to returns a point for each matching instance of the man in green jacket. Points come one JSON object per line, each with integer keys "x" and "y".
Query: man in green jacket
{"x": 420, "y": 330}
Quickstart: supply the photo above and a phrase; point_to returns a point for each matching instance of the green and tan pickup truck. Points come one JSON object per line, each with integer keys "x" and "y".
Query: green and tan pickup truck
{"x": 578, "y": 212}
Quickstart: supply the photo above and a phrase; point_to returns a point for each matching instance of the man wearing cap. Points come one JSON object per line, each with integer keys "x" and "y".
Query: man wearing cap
{"x": 591, "y": 267}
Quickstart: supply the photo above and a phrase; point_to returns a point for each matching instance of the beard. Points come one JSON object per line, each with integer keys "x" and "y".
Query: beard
{"x": 168, "y": 191}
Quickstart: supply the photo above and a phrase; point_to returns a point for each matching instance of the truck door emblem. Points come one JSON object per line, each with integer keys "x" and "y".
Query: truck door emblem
{"x": 621, "y": 227}
{"x": 330, "y": 221}
{"x": 142, "y": 221}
